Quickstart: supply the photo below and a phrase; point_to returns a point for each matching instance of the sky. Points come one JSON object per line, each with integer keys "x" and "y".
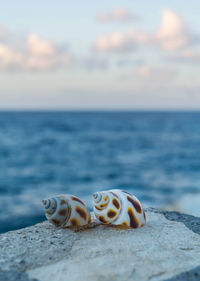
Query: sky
{"x": 88, "y": 55}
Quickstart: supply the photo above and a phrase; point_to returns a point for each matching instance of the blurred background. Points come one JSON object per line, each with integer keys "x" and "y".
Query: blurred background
{"x": 97, "y": 95}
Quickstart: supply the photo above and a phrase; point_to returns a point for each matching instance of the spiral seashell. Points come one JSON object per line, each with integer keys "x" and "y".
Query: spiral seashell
{"x": 66, "y": 211}
{"x": 118, "y": 207}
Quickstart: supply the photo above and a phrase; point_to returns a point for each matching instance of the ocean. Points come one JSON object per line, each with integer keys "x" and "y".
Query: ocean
{"x": 154, "y": 155}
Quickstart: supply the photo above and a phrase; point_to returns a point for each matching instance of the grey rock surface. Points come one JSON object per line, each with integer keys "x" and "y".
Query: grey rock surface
{"x": 14, "y": 275}
{"x": 167, "y": 246}
{"x": 191, "y": 275}
{"x": 191, "y": 222}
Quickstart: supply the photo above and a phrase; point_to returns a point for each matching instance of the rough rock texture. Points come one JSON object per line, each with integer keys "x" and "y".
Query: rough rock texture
{"x": 191, "y": 275}
{"x": 191, "y": 222}
{"x": 14, "y": 275}
{"x": 166, "y": 248}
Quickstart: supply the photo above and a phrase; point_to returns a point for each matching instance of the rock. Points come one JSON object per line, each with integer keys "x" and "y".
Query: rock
{"x": 191, "y": 275}
{"x": 14, "y": 275}
{"x": 167, "y": 247}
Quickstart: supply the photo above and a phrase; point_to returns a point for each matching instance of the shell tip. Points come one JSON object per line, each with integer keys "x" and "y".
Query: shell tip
{"x": 95, "y": 195}
{"x": 45, "y": 203}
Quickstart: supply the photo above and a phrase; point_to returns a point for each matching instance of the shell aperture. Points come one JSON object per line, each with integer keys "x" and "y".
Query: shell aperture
{"x": 119, "y": 207}
{"x": 66, "y": 211}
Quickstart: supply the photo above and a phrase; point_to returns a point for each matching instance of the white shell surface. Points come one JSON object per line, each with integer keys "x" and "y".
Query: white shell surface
{"x": 118, "y": 207}
{"x": 66, "y": 211}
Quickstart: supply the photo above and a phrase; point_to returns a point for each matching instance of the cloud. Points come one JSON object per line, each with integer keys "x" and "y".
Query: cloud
{"x": 40, "y": 47}
{"x": 43, "y": 54}
{"x": 9, "y": 57}
{"x": 170, "y": 36}
{"x": 115, "y": 42}
{"x": 33, "y": 53}
{"x": 117, "y": 14}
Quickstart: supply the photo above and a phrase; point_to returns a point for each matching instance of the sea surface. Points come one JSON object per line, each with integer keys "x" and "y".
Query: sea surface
{"x": 155, "y": 155}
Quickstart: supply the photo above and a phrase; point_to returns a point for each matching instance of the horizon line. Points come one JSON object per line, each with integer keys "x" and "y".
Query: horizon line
{"x": 98, "y": 110}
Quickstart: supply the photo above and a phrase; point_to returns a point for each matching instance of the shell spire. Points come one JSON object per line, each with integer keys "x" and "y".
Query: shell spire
{"x": 49, "y": 206}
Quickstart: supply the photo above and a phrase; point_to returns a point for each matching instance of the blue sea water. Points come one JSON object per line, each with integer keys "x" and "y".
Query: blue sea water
{"x": 155, "y": 155}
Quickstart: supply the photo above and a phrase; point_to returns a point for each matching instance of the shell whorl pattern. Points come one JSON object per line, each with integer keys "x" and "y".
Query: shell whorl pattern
{"x": 46, "y": 203}
{"x": 119, "y": 207}
{"x": 66, "y": 211}
{"x": 100, "y": 200}
{"x": 49, "y": 206}
{"x": 97, "y": 197}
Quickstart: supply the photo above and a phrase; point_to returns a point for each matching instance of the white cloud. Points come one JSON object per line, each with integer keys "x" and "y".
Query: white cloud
{"x": 33, "y": 53}
{"x": 40, "y": 47}
{"x": 9, "y": 57}
{"x": 43, "y": 54}
{"x": 171, "y": 35}
{"x": 117, "y": 14}
{"x": 116, "y": 42}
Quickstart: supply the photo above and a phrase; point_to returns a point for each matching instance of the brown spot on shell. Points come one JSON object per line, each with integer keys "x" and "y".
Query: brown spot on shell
{"x": 142, "y": 225}
{"x": 74, "y": 222}
{"x": 127, "y": 192}
{"x": 102, "y": 219}
{"x": 111, "y": 213}
{"x": 104, "y": 205}
{"x": 63, "y": 202}
{"x": 96, "y": 207}
{"x": 81, "y": 212}
{"x": 77, "y": 199}
{"x": 125, "y": 223}
{"x": 105, "y": 198}
{"x": 135, "y": 204}
{"x": 114, "y": 194}
{"x": 133, "y": 220}
{"x": 56, "y": 222}
{"x": 144, "y": 215}
{"x": 116, "y": 203}
{"x": 89, "y": 220}
{"x": 62, "y": 212}
{"x": 68, "y": 216}
{"x": 48, "y": 213}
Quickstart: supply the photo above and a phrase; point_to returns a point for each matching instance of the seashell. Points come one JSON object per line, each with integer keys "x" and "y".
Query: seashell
{"x": 118, "y": 207}
{"x": 66, "y": 211}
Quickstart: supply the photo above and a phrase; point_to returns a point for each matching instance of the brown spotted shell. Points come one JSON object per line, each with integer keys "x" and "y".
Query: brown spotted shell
{"x": 66, "y": 211}
{"x": 118, "y": 207}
